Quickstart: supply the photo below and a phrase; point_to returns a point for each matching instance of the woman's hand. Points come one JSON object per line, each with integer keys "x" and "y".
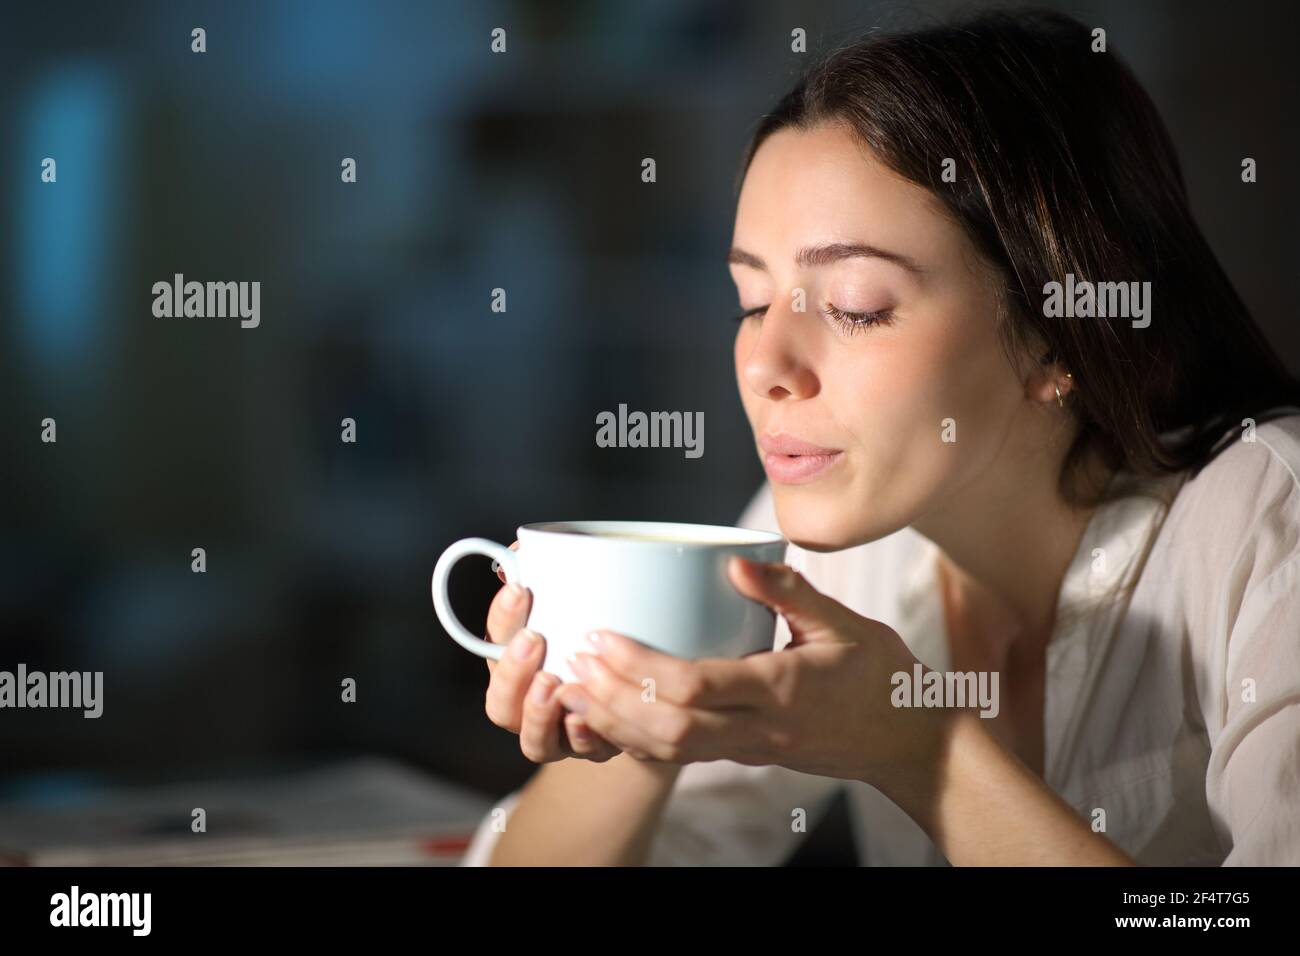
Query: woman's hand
{"x": 821, "y": 705}
{"x": 520, "y": 695}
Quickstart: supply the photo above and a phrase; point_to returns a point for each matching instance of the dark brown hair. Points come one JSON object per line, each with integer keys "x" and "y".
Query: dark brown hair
{"x": 1063, "y": 165}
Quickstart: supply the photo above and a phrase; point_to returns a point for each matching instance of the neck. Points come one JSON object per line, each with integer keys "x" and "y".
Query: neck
{"x": 1006, "y": 541}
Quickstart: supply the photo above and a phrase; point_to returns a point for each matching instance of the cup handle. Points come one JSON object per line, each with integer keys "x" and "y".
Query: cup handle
{"x": 442, "y": 605}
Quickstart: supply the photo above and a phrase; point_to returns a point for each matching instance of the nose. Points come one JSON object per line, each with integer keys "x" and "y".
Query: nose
{"x": 776, "y": 366}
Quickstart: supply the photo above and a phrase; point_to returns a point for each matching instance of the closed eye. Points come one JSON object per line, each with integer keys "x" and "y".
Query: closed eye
{"x": 853, "y": 321}
{"x": 849, "y": 321}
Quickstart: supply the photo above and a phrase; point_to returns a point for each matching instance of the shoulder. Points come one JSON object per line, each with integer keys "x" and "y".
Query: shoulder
{"x": 1239, "y": 557}
{"x": 1267, "y": 454}
{"x": 1243, "y": 506}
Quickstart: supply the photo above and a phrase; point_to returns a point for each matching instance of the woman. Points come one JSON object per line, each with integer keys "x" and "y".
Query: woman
{"x": 1096, "y": 517}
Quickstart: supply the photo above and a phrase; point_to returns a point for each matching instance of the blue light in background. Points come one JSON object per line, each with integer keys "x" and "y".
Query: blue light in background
{"x": 68, "y": 234}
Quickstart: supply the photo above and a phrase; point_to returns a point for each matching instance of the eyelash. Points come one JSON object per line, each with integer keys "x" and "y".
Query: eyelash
{"x": 851, "y": 322}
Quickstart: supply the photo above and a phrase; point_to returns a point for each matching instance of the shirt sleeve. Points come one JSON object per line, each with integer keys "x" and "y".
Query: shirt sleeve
{"x": 486, "y": 835}
{"x": 720, "y": 813}
{"x": 1253, "y": 783}
{"x": 728, "y": 814}
{"x": 1253, "y": 715}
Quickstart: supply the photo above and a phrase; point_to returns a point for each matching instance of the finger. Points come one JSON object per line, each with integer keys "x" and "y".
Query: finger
{"x": 500, "y": 571}
{"x": 810, "y": 614}
{"x": 507, "y": 613}
{"x": 585, "y": 742}
{"x": 616, "y": 710}
{"x": 705, "y": 682}
{"x": 599, "y": 720}
{"x": 504, "y": 701}
{"x": 540, "y": 736}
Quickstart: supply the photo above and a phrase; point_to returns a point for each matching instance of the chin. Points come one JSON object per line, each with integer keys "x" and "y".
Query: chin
{"x": 817, "y": 525}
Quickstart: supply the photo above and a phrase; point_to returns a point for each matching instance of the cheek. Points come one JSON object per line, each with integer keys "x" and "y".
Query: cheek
{"x": 888, "y": 389}
{"x": 980, "y": 386}
{"x": 955, "y": 398}
{"x": 951, "y": 366}
{"x": 906, "y": 397}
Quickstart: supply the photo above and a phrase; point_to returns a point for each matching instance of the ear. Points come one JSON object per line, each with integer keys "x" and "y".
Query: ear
{"x": 1044, "y": 380}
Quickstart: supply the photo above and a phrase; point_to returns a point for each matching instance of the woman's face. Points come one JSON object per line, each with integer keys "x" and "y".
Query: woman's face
{"x": 895, "y": 348}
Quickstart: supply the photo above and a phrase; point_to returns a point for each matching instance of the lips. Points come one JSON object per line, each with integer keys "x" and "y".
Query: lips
{"x": 783, "y": 444}
{"x": 793, "y": 461}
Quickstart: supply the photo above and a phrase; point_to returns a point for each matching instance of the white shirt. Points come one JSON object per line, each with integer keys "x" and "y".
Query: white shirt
{"x": 1176, "y": 711}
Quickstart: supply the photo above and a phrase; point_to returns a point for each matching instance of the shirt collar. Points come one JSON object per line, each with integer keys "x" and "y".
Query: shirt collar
{"x": 1115, "y": 545}
{"x": 1110, "y": 556}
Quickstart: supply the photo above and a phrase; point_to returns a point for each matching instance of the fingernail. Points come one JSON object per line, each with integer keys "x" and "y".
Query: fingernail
{"x": 579, "y": 732}
{"x": 576, "y": 704}
{"x": 542, "y": 692}
{"x": 596, "y": 640}
{"x": 523, "y": 644}
{"x": 514, "y": 593}
{"x": 579, "y": 664}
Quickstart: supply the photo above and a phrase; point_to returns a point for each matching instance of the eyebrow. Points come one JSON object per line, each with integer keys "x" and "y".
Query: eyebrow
{"x": 810, "y": 256}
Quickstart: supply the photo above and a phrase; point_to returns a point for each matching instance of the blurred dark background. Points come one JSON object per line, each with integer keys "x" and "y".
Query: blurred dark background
{"x": 476, "y": 171}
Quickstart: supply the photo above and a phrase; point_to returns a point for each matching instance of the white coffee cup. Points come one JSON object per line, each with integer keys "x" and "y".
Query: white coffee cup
{"x": 661, "y": 583}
